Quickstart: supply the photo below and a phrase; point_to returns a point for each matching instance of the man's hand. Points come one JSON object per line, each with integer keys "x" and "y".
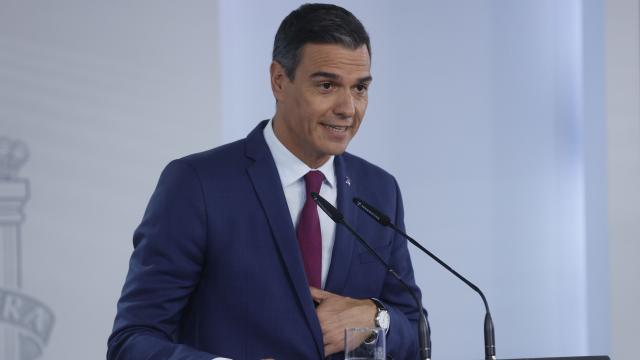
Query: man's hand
{"x": 337, "y": 313}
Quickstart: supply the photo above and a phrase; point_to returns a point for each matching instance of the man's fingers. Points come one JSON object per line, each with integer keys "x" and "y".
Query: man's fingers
{"x": 337, "y": 313}
{"x": 333, "y": 341}
{"x": 333, "y": 347}
{"x": 319, "y": 295}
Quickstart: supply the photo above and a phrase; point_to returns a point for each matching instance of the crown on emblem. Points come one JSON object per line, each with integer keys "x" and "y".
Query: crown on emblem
{"x": 13, "y": 154}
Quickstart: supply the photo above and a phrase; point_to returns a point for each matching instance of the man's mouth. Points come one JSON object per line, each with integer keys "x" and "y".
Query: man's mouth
{"x": 336, "y": 128}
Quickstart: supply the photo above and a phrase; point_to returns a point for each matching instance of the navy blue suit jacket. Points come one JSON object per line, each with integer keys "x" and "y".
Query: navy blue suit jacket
{"x": 216, "y": 269}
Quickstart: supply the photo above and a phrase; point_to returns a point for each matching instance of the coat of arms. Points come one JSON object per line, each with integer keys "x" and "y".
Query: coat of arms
{"x": 25, "y": 322}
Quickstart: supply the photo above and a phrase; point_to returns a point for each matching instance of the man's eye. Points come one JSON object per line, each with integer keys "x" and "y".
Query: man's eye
{"x": 326, "y": 85}
{"x": 361, "y": 88}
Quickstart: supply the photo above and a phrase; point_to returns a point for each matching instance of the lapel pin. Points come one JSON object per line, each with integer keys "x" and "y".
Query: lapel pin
{"x": 347, "y": 180}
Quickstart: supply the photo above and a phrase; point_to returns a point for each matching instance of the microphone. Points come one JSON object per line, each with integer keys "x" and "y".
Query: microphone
{"x": 489, "y": 336}
{"x": 424, "y": 331}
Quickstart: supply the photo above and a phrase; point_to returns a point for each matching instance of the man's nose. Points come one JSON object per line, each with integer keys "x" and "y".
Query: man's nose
{"x": 345, "y": 106}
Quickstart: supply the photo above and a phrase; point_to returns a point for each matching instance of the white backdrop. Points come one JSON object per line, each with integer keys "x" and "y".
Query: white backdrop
{"x": 489, "y": 113}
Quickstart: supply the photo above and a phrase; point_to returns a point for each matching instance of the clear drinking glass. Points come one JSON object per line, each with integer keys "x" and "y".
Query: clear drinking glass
{"x": 364, "y": 344}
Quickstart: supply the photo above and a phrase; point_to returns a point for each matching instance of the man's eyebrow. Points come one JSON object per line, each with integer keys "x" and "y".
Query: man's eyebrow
{"x": 332, "y": 76}
{"x": 365, "y": 79}
{"x": 324, "y": 74}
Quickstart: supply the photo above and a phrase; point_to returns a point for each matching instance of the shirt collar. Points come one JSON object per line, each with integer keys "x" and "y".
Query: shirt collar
{"x": 290, "y": 168}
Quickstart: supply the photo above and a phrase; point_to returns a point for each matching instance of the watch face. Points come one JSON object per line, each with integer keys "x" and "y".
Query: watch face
{"x": 383, "y": 319}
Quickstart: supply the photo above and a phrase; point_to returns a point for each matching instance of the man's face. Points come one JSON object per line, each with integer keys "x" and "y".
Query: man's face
{"x": 320, "y": 111}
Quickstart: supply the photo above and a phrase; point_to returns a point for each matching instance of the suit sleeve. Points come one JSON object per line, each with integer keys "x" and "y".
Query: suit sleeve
{"x": 164, "y": 270}
{"x": 402, "y": 338}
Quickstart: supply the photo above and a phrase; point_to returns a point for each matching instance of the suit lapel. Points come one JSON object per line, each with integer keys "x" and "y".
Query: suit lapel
{"x": 266, "y": 182}
{"x": 343, "y": 245}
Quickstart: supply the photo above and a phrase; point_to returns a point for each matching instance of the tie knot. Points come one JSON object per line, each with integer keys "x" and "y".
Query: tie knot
{"x": 313, "y": 181}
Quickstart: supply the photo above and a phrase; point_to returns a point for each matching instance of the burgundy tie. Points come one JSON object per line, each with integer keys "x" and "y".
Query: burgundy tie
{"x": 308, "y": 230}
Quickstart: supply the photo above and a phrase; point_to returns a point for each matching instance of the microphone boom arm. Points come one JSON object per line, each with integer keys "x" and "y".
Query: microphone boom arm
{"x": 489, "y": 335}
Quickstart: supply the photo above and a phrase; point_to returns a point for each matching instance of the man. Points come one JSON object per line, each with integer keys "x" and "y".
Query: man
{"x": 232, "y": 258}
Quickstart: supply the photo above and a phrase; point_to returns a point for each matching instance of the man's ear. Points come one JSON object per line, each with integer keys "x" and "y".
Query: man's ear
{"x": 279, "y": 80}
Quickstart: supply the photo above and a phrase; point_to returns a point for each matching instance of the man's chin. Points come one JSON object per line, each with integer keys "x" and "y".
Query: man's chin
{"x": 336, "y": 150}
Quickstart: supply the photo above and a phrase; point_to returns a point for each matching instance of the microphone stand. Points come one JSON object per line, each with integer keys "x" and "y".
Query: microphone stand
{"x": 489, "y": 336}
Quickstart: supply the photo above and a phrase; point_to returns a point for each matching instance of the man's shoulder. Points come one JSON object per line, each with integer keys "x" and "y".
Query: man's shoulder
{"x": 220, "y": 155}
{"x": 228, "y": 160}
{"x": 236, "y": 154}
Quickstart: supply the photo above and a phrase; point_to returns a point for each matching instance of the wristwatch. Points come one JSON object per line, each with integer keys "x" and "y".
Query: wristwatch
{"x": 382, "y": 319}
